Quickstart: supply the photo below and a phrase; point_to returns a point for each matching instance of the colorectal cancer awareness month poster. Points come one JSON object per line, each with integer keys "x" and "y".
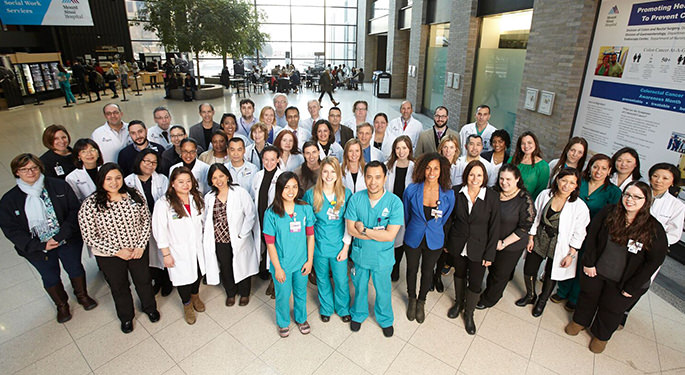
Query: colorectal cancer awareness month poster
{"x": 634, "y": 89}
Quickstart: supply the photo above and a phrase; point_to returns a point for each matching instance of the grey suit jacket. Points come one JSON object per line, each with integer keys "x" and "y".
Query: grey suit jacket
{"x": 196, "y": 132}
{"x": 426, "y": 142}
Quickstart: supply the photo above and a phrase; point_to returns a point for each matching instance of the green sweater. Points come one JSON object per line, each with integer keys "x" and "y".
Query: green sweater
{"x": 535, "y": 176}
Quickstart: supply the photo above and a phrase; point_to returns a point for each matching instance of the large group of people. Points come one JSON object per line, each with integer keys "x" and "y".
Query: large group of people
{"x": 287, "y": 199}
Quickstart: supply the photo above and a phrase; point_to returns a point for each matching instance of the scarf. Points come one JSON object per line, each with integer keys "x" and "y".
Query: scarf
{"x": 35, "y": 208}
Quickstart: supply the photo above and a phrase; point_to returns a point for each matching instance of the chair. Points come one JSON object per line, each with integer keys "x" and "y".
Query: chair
{"x": 243, "y": 85}
{"x": 283, "y": 85}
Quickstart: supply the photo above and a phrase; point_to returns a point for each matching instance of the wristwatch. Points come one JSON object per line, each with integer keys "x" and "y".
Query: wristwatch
{"x": 364, "y": 231}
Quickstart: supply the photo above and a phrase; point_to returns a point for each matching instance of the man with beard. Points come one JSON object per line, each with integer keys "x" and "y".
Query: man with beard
{"x": 429, "y": 139}
{"x": 138, "y": 133}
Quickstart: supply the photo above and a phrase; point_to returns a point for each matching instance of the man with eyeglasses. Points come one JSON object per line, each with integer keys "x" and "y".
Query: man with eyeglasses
{"x": 160, "y": 132}
{"x": 430, "y": 139}
{"x": 172, "y": 156}
{"x": 112, "y": 136}
{"x": 197, "y": 167}
{"x": 342, "y": 132}
{"x": 360, "y": 108}
{"x": 138, "y": 133}
{"x": 406, "y": 124}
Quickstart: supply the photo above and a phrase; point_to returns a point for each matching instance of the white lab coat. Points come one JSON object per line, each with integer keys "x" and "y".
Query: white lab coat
{"x": 386, "y": 147}
{"x": 241, "y": 214}
{"x": 375, "y": 154}
{"x": 256, "y": 183}
{"x": 670, "y": 212}
{"x": 159, "y": 186}
{"x": 349, "y": 182}
{"x": 458, "y": 171}
{"x": 303, "y": 135}
{"x": 335, "y": 150}
{"x": 294, "y": 161}
{"x": 183, "y": 237}
{"x": 200, "y": 171}
{"x": 389, "y": 185}
{"x": 80, "y": 183}
{"x": 573, "y": 220}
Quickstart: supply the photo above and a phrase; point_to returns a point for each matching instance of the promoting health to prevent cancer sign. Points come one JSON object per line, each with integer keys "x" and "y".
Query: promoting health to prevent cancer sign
{"x": 634, "y": 89}
{"x": 46, "y": 12}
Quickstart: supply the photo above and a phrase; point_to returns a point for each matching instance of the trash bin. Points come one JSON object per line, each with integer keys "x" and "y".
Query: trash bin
{"x": 381, "y": 85}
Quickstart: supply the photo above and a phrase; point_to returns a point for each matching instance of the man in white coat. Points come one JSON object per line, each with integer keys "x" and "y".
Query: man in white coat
{"x": 112, "y": 136}
{"x": 292, "y": 115}
{"x": 189, "y": 160}
{"x": 314, "y": 109}
{"x": 160, "y": 132}
{"x": 406, "y": 124}
{"x": 474, "y": 146}
{"x": 370, "y": 153}
{"x": 242, "y": 172}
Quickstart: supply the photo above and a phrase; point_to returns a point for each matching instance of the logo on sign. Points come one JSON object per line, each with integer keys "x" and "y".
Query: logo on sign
{"x": 614, "y": 10}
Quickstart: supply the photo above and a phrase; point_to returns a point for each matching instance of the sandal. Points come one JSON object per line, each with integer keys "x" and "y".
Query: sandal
{"x": 304, "y": 328}
{"x": 284, "y": 332}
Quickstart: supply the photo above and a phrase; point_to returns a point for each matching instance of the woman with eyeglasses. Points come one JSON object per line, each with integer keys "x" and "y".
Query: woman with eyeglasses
{"x": 39, "y": 217}
{"x": 151, "y": 186}
{"x": 88, "y": 161}
{"x": 624, "y": 247}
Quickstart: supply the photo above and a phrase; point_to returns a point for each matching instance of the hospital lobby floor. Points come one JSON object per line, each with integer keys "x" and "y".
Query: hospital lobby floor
{"x": 244, "y": 340}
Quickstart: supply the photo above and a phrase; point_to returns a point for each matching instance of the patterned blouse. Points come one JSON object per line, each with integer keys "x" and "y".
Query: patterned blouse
{"x": 124, "y": 224}
{"x": 221, "y": 233}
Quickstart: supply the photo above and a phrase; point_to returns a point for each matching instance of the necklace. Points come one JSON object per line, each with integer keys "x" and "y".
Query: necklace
{"x": 507, "y": 196}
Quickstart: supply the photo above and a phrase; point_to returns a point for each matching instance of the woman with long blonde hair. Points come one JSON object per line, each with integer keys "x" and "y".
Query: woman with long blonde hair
{"x": 450, "y": 148}
{"x": 267, "y": 116}
{"x": 329, "y": 199}
{"x": 353, "y": 166}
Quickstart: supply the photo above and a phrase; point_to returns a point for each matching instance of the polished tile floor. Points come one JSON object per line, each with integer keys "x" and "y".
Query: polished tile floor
{"x": 244, "y": 339}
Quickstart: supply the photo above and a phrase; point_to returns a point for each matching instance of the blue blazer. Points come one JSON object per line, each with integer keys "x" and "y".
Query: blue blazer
{"x": 415, "y": 220}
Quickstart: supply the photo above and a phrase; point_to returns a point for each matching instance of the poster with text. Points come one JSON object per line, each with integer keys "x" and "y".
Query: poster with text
{"x": 46, "y": 12}
{"x": 634, "y": 89}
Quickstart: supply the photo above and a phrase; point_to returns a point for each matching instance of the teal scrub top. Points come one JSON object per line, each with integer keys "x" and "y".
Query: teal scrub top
{"x": 290, "y": 246}
{"x": 328, "y": 230}
{"x": 599, "y": 198}
{"x": 389, "y": 210}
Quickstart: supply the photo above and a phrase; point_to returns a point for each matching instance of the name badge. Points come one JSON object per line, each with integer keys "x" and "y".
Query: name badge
{"x": 295, "y": 227}
{"x": 380, "y": 227}
{"x": 59, "y": 170}
{"x": 634, "y": 246}
{"x": 437, "y": 214}
{"x": 333, "y": 214}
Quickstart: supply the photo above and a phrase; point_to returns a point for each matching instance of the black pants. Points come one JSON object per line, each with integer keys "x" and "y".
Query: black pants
{"x": 473, "y": 272}
{"x": 330, "y": 95}
{"x": 186, "y": 290}
{"x": 113, "y": 87}
{"x": 430, "y": 257}
{"x": 602, "y": 299}
{"x": 160, "y": 276}
{"x": 498, "y": 277}
{"x": 224, "y": 254}
{"x": 532, "y": 265}
{"x": 116, "y": 272}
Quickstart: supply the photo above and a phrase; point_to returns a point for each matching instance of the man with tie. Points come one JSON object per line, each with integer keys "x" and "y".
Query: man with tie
{"x": 406, "y": 124}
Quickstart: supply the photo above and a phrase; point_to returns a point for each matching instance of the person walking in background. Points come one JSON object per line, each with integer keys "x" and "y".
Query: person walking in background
{"x": 64, "y": 77}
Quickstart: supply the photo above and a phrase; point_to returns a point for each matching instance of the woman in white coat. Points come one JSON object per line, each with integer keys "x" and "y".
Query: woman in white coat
{"x": 151, "y": 186}
{"x": 557, "y": 234}
{"x": 290, "y": 158}
{"x": 400, "y": 169}
{"x": 88, "y": 160}
{"x": 263, "y": 191}
{"x": 353, "y": 166}
{"x": 322, "y": 132}
{"x": 189, "y": 160}
{"x": 382, "y": 139}
{"x": 229, "y": 218}
{"x": 177, "y": 228}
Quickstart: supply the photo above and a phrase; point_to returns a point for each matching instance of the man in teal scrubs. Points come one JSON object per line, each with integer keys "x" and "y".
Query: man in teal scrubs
{"x": 373, "y": 218}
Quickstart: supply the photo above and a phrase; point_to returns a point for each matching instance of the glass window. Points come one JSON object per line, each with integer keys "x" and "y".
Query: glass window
{"x": 341, "y": 3}
{"x": 138, "y": 32}
{"x": 308, "y": 15}
{"x": 275, "y": 49}
{"x": 341, "y": 33}
{"x": 275, "y": 14}
{"x": 307, "y": 33}
{"x": 212, "y": 67}
{"x": 133, "y": 8}
{"x": 306, "y": 49}
{"x": 277, "y": 33}
{"x": 146, "y": 47}
{"x": 341, "y": 16}
{"x": 436, "y": 63}
{"x": 338, "y": 51}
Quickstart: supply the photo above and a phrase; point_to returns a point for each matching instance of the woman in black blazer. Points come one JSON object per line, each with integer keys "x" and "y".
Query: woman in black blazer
{"x": 624, "y": 247}
{"x": 39, "y": 216}
{"x": 472, "y": 239}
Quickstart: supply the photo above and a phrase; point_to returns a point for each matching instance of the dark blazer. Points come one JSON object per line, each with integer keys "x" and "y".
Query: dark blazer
{"x": 480, "y": 229}
{"x": 196, "y": 132}
{"x": 15, "y": 225}
{"x": 127, "y": 157}
{"x": 345, "y": 135}
{"x": 415, "y": 220}
{"x": 487, "y": 155}
{"x": 641, "y": 266}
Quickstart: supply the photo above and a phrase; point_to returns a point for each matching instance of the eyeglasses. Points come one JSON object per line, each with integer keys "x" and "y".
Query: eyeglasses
{"x": 88, "y": 151}
{"x": 112, "y": 113}
{"x": 440, "y": 116}
{"x": 28, "y": 169}
{"x": 632, "y": 197}
{"x": 149, "y": 162}
{"x": 178, "y": 136}
{"x": 188, "y": 152}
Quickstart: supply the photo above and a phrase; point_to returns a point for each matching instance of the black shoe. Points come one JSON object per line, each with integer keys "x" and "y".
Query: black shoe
{"x": 530, "y": 296}
{"x": 437, "y": 281}
{"x": 127, "y": 326}
{"x": 469, "y": 324}
{"x": 115, "y": 96}
{"x": 167, "y": 289}
{"x": 156, "y": 288}
{"x": 154, "y": 316}
{"x": 355, "y": 326}
{"x": 570, "y": 306}
{"x": 388, "y": 331}
{"x": 325, "y": 318}
{"x": 481, "y": 306}
{"x": 455, "y": 310}
{"x": 264, "y": 275}
{"x": 556, "y": 298}
{"x": 346, "y": 319}
{"x": 395, "y": 275}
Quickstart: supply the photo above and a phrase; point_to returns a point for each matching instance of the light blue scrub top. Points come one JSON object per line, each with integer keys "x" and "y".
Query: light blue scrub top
{"x": 389, "y": 210}
{"x": 328, "y": 231}
{"x": 290, "y": 246}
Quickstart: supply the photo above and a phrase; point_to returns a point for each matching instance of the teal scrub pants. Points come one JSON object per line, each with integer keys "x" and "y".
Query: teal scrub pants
{"x": 570, "y": 288}
{"x": 296, "y": 283}
{"x": 328, "y": 298}
{"x": 383, "y": 305}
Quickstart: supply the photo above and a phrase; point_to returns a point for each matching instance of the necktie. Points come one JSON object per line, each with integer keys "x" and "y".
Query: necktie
{"x": 405, "y": 126}
{"x": 165, "y": 134}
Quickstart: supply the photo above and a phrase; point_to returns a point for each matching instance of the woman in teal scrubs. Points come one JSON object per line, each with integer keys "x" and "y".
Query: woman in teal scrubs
{"x": 289, "y": 236}
{"x": 328, "y": 199}
{"x": 597, "y": 191}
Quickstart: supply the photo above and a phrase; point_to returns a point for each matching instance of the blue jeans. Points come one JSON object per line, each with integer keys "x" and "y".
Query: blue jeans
{"x": 47, "y": 264}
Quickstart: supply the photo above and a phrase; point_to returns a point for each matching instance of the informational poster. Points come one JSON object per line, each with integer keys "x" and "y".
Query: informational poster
{"x": 46, "y": 12}
{"x": 634, "y": 89}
